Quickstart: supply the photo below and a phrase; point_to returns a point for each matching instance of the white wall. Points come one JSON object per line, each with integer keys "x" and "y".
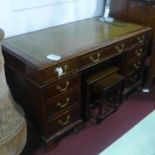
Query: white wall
{"x": 16, "y": 19}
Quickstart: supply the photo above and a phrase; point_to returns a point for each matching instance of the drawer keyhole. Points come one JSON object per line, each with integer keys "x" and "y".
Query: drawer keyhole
{"x": 61, "y": 70}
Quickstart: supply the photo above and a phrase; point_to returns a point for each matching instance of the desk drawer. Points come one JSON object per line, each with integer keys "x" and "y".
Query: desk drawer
{"x": 132, "y": 79}
{"x": 62, "y": 102}
{"x": 135, "y": 66}
{"x": 64, "y": 120}
{"x": 94, "y": 57}
{"x": 120, "y": 46}
{"x": 50, "y": 73}
{"x": 139, "y": 39}
{"x": 104, "y": 53}
{"x": 136, "y": 54}
{"x": 62, "y": 86}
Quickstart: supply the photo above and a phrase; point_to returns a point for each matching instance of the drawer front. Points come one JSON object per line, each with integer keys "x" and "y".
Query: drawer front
{"x": 133, "y": 67}
{"x": 139, "y": 39}
{"x": 120, "y": 47}
{"x": 58, "y": 123}
{"x": 102, "y": 54}
{"x": 61, "y": 102}
{"x": 62, "y": 86}
{"x": 132, "y": 79}
{"x": 59, "y": 70}
{"x": 91, "y": 58}
{"x": 136, "y": 54}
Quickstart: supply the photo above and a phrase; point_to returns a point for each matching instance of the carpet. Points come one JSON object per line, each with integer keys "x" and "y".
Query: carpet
{"x": 94, "y": 138}
{"x": 139, "y": 140}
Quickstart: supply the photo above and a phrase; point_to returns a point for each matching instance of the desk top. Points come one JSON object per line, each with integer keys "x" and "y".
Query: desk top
{"x": 67, "y": 40}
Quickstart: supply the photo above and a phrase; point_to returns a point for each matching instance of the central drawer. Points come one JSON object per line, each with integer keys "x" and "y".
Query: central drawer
{"x": 103, "y": 53}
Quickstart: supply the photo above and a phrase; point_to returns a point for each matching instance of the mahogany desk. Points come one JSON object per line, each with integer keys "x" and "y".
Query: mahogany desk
{"x": 54, "y": 102}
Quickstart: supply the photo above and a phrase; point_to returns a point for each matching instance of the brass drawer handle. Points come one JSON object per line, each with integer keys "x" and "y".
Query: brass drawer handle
{"x": 136, "y": 65}
{"x": 120, "y": 48}
{"x": 63, "y": 123}
{"x": 61, "y": 70}
{"x": 138, "y": 54}
{"x": 98, "y": 57}
{"x": 59, "y": 104}
{"x": 63, "y": 89}
{"x": 141, "y": 50}
{"x": 141, "y": 39}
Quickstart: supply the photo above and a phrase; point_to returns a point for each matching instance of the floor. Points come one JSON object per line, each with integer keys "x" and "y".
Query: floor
{"x": 96, "y": 137}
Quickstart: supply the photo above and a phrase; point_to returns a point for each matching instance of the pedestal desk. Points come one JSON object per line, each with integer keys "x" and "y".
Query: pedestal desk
{"x": 52, "y": 92}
